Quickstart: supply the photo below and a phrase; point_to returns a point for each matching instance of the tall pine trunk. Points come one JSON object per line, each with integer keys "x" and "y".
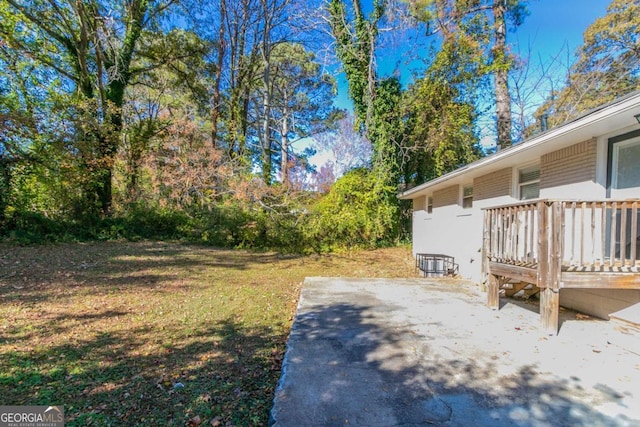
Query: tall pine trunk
{"x": 216, "y": 99}
{"x": 284, "y": 143}
{"x": 501, "y": 74}
{"x": 266, "y": 100}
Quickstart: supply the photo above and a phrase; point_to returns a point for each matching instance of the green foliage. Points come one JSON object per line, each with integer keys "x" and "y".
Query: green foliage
{"x": 88, "y": 51}
{"x": 376, "y": 103}
{"x": 141, "y": 222}
{"x": 439, "y": 131}
{"x": 386, "y": 130}
{"x": 360, "y": 211}
{"x": 439, "y": 112}
{"x": 354, "y": 43}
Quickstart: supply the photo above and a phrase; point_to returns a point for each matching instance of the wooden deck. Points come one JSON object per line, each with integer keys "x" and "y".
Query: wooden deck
{"x": 559, "y": 244}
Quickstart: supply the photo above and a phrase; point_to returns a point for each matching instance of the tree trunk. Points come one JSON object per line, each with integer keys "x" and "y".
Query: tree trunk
{"x": 216, "y": 99}
{"x": 266, "y": 100}
{"x": 501, "y": 75}
{"x": 266, "y": 127}
{"x": 5, "y": 189}
{"x": 284, "y": 145}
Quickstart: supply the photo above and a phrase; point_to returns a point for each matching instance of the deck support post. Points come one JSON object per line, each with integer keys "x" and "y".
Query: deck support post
{"x": 493, "y": 293}
{"x": 549, "y": 310}
{"x": 550, "y": 249}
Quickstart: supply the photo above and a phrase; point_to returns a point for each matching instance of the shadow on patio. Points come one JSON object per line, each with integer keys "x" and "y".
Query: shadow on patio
{"x": 367, "y": 359}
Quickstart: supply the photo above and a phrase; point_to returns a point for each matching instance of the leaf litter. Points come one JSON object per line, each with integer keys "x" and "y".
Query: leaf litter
{"x": 156, "y": 333}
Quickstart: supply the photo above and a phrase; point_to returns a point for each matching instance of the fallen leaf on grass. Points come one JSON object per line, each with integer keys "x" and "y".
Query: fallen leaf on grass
{"x": 195, "y": 421}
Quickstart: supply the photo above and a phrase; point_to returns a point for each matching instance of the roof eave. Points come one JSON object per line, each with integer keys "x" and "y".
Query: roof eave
{"x": 574, "y": 125}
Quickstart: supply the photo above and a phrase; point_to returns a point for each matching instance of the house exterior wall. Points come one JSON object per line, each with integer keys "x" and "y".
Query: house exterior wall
{"x": 492, "y": 185}
{"x": 420, "y": 203}
{"x": 574, "y": 172}
{"x": 453, "y": 230}
{"x": 599, "y": 302}
{"x": 446, "y": 197}
{"x": 570, "y": 173}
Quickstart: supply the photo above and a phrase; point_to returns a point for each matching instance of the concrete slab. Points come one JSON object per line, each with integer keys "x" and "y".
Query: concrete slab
{"x": 416, "y": 352}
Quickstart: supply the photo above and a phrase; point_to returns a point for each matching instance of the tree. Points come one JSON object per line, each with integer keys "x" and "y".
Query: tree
{"x": 532, "y": 79}
{"x": 439, "y": 113}
{"x": 440, "y": 129}
{"x": 608, "y": 64}
{"x": 91, "y": 47}
{"x": 501, "y": 65}
{"x": 302, "y": 99}
{"x": 355, "y": 42}
{"x": 376, "y": 103}
{"x": 346, "y": 148}
{"x": 472, "y": 19}
{"x": 175, "y": 81}
{"x": 14, "y": 125}
{"x": 358, "y": 211}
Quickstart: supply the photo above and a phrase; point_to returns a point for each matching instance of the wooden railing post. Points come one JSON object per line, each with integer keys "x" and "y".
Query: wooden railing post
{"x": 493, "y": 285}
{"x": 551, "y": 236}
{"x": 543, "y": 245}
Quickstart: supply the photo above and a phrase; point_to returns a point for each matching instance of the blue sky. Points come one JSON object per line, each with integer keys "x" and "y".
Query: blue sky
{"x": 551, "y": 26}
{"x": 551, "y": 23}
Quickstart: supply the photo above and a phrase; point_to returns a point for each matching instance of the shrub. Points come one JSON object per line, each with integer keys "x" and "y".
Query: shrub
{"x": 359, "y": 211}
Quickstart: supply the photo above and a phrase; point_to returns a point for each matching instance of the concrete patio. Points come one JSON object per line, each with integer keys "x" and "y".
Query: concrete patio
{"x": 415, "y": 352}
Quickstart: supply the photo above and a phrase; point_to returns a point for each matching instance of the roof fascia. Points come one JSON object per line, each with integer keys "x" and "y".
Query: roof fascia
{"x": 621, "y": 106}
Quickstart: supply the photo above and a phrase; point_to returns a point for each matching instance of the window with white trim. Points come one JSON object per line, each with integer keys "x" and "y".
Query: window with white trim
{"x": 529, "y": 183}
{"x": 625, "y": 172}
{"x": 467, "y": 197}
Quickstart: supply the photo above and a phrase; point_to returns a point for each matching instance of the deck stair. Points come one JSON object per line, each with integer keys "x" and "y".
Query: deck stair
{"x": 523, "y": 289}
{"x": 561, "y": 244}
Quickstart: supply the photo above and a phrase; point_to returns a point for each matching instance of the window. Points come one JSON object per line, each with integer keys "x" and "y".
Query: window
{"x": 429, "y": 204}
{"x": 529, "y": 183}
{"x": 625, "y": 172}
{"x": 467, "y": 197}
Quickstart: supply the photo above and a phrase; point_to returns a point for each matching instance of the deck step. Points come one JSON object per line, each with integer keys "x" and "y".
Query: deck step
{"x": 526, "y": 289}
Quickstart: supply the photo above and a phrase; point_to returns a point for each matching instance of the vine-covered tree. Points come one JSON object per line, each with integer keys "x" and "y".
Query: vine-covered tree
{"x": 376, "y": 103}
{"x": 484, "y": 23}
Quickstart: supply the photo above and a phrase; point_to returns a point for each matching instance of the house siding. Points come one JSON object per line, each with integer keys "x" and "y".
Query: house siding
{"x": 446, "y": 197}
{"x": 493, "y": 185}
{"x": 571, "y": 165}
{"x": 420, "y": 203}
{"x": 573, "y": 161}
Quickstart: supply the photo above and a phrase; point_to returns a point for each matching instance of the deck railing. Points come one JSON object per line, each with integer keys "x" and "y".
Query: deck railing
{"x": 558, "y": 244}
{"x": 572, "y": 235}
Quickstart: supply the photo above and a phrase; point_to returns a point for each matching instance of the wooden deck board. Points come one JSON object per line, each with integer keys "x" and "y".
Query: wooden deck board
{"x": 576, "y": 244}
{"x": 516, "y": 272}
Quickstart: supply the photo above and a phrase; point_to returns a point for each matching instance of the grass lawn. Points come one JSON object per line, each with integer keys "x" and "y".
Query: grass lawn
{"x": 155, "y": 333}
